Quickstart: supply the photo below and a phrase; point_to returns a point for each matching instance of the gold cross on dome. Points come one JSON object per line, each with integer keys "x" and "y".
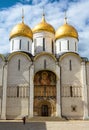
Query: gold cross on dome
{"x": 22, "y": 15}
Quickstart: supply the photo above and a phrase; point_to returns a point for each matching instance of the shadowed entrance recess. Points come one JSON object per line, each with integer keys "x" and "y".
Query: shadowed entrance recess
{"x": 44, "y": 110}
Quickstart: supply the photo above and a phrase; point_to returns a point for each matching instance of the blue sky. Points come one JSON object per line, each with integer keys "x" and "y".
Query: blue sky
{"x": 77, "y": 13}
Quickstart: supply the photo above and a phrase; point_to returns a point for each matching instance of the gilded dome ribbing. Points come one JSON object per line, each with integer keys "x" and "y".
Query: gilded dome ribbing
{"x": 43, "y": 26}
{"x": 66, "y": 30}
{"x": 21, "y": 29}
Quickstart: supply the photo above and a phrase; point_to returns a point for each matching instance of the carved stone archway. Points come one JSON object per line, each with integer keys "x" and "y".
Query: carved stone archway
{"x": 44, "y": 93}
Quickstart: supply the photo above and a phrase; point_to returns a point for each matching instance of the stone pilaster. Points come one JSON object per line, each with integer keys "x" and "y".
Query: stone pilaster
{"x": 84, "y": 91}
{"x": 4, "y": 93}
{"x": 58, "y": 101}
{"x": 31, "y": 91}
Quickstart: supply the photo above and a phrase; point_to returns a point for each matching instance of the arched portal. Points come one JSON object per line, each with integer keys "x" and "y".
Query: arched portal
{"x": 44, "y": 110}
{"x": 44, "y": 93}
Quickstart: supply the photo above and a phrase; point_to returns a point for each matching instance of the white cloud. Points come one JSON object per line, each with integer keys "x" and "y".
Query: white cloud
{"x": 77, "y": 13}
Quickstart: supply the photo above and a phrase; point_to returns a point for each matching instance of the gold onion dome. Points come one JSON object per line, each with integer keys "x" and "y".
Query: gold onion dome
{"x": 66, "y": 30}
{"x": 21, "y": 29}
{"x": 43, "y": 26}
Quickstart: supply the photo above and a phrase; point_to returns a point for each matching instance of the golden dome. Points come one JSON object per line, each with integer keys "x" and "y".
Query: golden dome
{"x": 21, "y": 29}
{"x": 43, "y": 26}
{"x": 66, "y": 30}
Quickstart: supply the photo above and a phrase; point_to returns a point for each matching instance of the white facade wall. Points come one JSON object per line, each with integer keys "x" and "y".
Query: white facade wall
{"x": 66, "y": 44}
{"x": 84, "y": 90}
{"x": 71, "y": 78}
{"x": 87, "y": 73}
{"x": 15, "y": 76}
{"x": 17, "y": 108}
{"x": 75, "y": 73}
{"x": 67, "y": 103}
{"x": 50, "y": 63}
{"x": 4, "y": 92}
{"x": 38, "y": 42}
{"x": 15, "y": 44}
{"x": 1, "y": 80}
{"x": 0, "y": 106}
{"x": 1, "y": 70}
{"x": 87, "y": 82}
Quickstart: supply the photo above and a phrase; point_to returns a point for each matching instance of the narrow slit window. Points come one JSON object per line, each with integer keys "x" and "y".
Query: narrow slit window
{"x": 17, "y": 91}
{"x": 70, "y": 65}
{"x": 28, "y": 45}
{"x": 19, "y": 64}
{"x": 75, "y": 47}
{"x": 12, "y": 44}
{"x": 43, "y": 44}
{"x": 44, "y": 64}
{"x": 71, "y": 91}
{"x": 68, "y": 44}
{"x": 52, "y": 47}
{"x": 35, "y": 42}
{"x": 20, "y": 45}
{"x": 60, "y": 46}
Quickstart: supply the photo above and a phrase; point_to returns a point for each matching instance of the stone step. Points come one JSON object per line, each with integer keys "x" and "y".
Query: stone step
{"x": 40, "y": 119}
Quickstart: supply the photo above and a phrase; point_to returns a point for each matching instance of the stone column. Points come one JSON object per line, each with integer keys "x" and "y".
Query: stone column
{"x": 84, "y": 91}
{"x": 31, "y": 91}
{"x": 58, "y": 101}
{"x": 4, "y": 93}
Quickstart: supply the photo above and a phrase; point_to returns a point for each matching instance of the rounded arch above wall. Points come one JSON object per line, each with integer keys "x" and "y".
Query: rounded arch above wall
{"x": 69, "y": 53}
{"x": 27, "y": 55}
{"x": 44, "y": 53}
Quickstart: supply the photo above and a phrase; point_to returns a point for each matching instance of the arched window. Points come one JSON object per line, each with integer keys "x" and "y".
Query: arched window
{"x": 45, "y": 64}
{"x": 60, "y": 46}
{"x": 12, "y": 44}
{"x": 20, "y": 45}
{"x": 71, "y": 91}
{"x": 17, "y": 91}
{"x": 52, "y": 46}
{"x": 19, "y": 64}
{"x": 75, "y": 47}
{"x": 43, "y": 44}
{"x": 35, "y": 44}
{"x": 68, "y": 44}
{"x": 70, "y": 65}
{"x": 28, "y": 45}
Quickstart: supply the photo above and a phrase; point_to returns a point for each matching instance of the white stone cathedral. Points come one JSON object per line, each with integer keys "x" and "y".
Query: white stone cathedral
{"x": 44, "y": 75}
